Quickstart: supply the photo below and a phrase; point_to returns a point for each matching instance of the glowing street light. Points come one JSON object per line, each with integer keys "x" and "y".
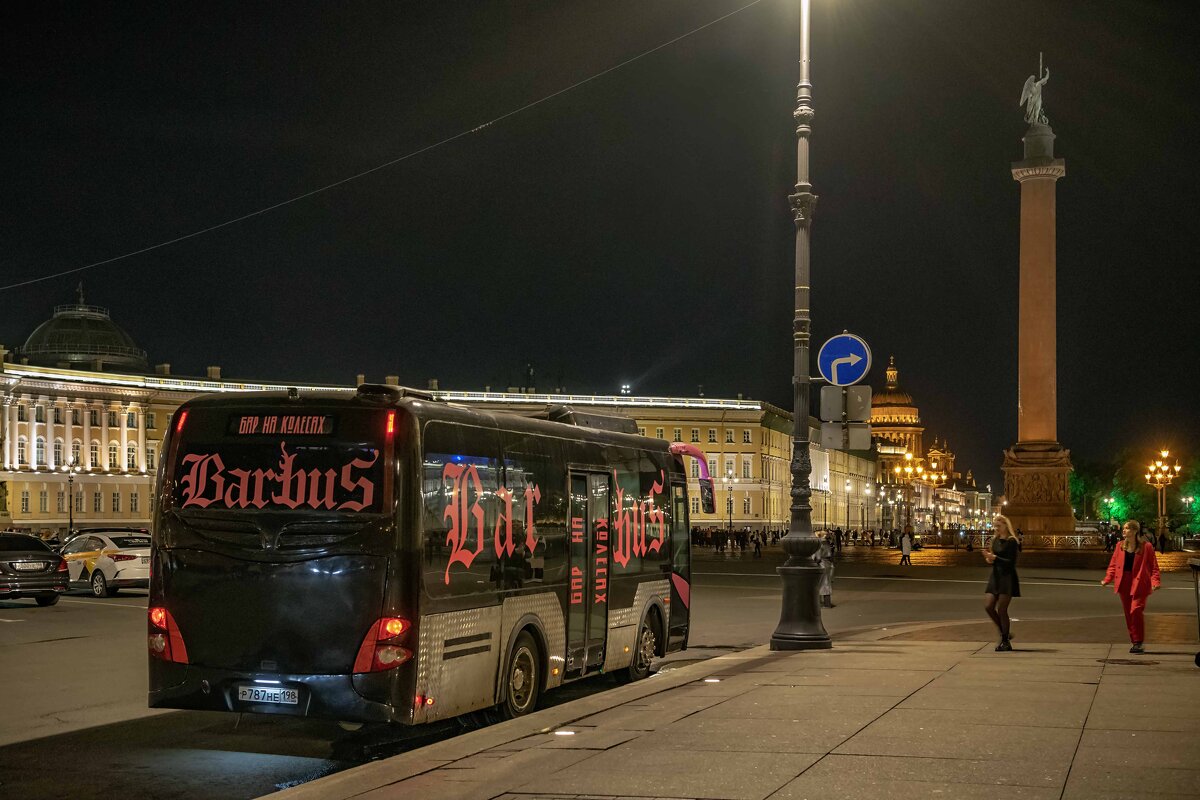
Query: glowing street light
{"x": 1159, "y": 474}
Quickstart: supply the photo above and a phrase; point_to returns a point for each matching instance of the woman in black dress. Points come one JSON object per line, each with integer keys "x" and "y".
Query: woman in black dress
{"x": 1003, "y": 585}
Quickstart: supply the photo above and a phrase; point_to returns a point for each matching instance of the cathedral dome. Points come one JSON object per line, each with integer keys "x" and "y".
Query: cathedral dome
{"x": 892, "y": 395}
{"x": 81, "y": 335}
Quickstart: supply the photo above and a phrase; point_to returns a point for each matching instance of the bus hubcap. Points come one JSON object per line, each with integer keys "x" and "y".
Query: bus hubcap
{"x": 521, "y": 683}
{"x": 646, "y": 648}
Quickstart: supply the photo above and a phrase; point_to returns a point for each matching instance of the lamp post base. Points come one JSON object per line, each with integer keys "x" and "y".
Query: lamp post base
{"x": 800, "y": 625}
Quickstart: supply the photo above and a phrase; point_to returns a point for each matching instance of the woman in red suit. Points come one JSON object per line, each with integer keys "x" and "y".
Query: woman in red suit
{"x": 1133, "y": 571}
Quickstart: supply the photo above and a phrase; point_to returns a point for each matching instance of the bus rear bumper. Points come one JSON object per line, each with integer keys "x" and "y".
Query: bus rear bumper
{"x": 334, "y": 697}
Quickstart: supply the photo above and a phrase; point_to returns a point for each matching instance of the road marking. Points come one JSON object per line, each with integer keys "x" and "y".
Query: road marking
{"x": 2, "y": 619}
{"x": 97, "y": 604}
{"x": 1095, "y": 585}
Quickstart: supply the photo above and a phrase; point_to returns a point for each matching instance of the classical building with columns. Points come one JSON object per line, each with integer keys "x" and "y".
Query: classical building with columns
{"x": 84, "y": 417}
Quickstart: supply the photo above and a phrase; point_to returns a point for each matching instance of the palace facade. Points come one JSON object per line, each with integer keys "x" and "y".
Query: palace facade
{"x": 83, "y": 418}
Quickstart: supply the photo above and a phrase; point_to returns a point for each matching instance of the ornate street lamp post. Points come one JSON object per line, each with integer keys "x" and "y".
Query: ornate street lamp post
{"x": 800, "y": 625}
{"x": 71, "y": 469}
{"x": 1159, "y": 475}
{"x": 730, "y": 481}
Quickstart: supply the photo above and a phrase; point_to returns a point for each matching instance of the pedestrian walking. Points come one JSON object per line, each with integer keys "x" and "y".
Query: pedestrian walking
{"x": 906, "y": 543}
{"x": 825, "y": 557}
{"x": 757, "y": 546}
{"x": 1003, "y": 584}
{"x": 1133, "y": 571}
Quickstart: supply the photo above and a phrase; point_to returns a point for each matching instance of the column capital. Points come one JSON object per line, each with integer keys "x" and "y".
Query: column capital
{"x": 1039, "y": 168}
{"x": 803, "y": 203}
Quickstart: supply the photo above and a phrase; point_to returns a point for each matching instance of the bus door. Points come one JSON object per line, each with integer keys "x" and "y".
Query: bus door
{"x": 588, "y": 573}
{"x": 681, "y": 568}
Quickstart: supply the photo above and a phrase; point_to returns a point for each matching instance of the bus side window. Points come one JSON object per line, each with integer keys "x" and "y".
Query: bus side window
{"x": 460, "y": 478}
{"x": 533, "y": 473}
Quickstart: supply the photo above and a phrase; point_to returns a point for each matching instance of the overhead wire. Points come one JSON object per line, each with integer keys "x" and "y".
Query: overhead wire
{"x": 378, "y": 167}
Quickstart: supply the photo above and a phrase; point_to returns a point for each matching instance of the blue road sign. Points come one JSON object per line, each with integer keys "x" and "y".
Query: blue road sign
{"x": 844, "y": 360}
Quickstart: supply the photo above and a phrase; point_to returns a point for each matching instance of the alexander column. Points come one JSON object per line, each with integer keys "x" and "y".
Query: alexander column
{"x": 1037, "y": 466}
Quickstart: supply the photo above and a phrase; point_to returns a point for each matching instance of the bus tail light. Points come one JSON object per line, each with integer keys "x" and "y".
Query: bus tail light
{"x": 381, "y": 648}
{"x": 164, "y": 640}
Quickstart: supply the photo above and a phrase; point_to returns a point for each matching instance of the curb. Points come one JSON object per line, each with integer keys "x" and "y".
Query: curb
{"x": 377, "y": 774}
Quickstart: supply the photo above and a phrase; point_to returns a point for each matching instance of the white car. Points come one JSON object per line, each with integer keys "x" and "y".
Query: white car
{"x": 109, "y": 561}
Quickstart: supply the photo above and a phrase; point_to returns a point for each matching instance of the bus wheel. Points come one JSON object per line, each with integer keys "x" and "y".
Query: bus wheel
{"x": 522, "y": 682}
{"x": 645, "y": 648}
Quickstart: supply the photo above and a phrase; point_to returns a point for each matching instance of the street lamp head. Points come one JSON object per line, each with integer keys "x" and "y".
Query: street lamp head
{"x": 1164, "y": 453}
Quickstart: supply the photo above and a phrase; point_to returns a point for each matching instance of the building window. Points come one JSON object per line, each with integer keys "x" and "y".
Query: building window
{"x": 746, "y": 436}
{"x": 93, "y": 455}
{"x": 96, "y": 502}
{"x": 112, "y": 419}
{"x": 114, "y": 457}
{"x": 76, "y": 452}
{"x": 58, "y": 417}
{"x": 133, "y": 503}
{"x": 641, "y": 431}
{"x": 712, "y": 435}
{"x": 79, "y": 502}
{"x": 658, "y": 433}
{"x": 746, "y": 505}
{"x": 93, "y": 417}
{"x": 695, "y": 434}
{"x": 728, "y": 467}
{"x": 43, "y": 501}
{"x": 21, "y": 414}
{"x": 21, "y": 454}
{"x": 150, "y": 420}
{"x": 695, "y": 468}
{"x": 131, "y": 420}
{"x": 746, "y": 468}
{"x": 728, "y": 436}
{"x": 695, "y": 505}
{"x": 712, "y": 467}
{"x": 677, "y": 435}
{"x": 39, "y": 451}
{"x": 39, "y": 413}
{"x": 116, "y": 502}
{"x": 75, "y": 416}
{"x": 58, "y": 451}
{"x": 24, "y": 502}
{"x": 131, "y": 457}
{"x": 61, "y": 505}
{"x": 150, "y": 454}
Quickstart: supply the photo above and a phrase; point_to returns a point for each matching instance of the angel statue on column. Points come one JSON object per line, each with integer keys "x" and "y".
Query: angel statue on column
{"x": 1031, "y": 98}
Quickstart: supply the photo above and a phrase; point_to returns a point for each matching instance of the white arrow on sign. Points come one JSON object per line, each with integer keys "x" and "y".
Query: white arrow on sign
{"x": 849, "y": 360}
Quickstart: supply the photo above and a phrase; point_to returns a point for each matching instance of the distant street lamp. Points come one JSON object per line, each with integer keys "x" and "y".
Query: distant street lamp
{"x": 71, "y": 469}
{"x": 1187, "y": 503}
{"x": 729, "y": 481}
{"x": 1159, "y": 475}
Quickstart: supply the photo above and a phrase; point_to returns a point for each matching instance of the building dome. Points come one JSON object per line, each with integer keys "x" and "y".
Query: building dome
{"x": 892, "y": 395}
{"x": 81, "y": 335}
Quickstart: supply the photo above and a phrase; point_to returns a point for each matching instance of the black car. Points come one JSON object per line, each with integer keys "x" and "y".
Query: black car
{"x": 29, "y": 568}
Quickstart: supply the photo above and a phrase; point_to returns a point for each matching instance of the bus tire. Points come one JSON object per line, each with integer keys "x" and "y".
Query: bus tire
{"x": 645, "y": 648}
{"x": 522, "y": 678}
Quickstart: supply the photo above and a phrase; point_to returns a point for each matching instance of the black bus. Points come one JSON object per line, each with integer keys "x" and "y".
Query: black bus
{"x": 382, "y": 557}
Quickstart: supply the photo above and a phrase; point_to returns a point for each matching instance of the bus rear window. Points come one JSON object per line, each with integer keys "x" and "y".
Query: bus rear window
{"x": 290, "y": 461}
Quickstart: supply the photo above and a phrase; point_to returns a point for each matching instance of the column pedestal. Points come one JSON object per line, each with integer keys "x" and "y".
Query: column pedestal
{"x": 1038, "y": 496}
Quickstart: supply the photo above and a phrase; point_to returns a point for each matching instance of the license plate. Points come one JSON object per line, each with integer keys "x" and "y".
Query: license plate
{"x": 260, "y": 694}
{"x": 30, "y": 566}
{"x": 145, "y": 559}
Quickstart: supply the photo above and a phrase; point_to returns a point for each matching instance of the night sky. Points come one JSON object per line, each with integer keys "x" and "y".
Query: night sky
{"x": 634, "y": 229}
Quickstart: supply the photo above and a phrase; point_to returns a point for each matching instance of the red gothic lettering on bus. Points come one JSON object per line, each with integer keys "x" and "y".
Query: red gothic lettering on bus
{"x": 600, "y": 573}
{"x": 462, "y": 510}
{"x": 533, "y": 496}
{"x": 504, "y": 547}
{"x": 207, "y": 482}
{"x": 631, "y": 522}
{"x": 205, "y": 469}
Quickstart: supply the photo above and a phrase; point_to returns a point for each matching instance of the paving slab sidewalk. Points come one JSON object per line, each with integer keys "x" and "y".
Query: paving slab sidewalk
{"x": 870, "y": 718}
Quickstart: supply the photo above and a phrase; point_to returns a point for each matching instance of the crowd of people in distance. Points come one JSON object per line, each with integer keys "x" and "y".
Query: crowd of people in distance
{"x": 727, "y": 540}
